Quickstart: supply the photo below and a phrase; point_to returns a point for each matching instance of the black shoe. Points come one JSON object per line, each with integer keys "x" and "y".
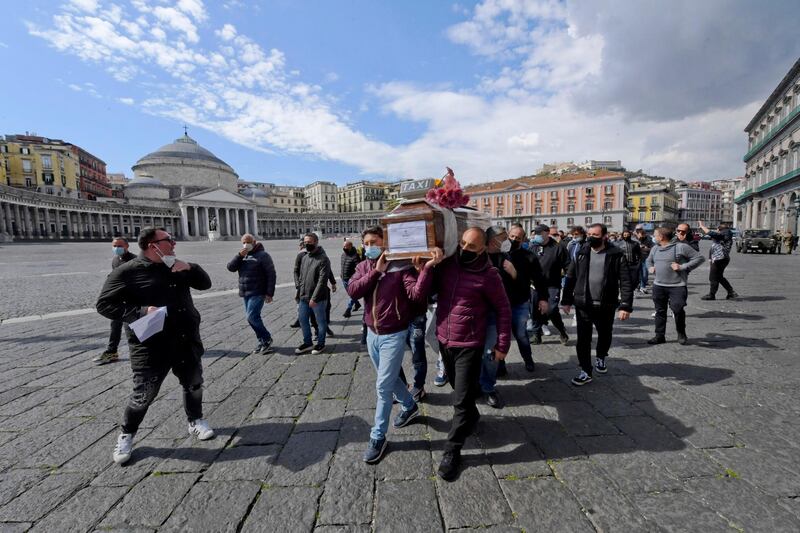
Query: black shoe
{"x": 329, "y": 332}
{"x": 530, "y": 366}
{"x": 404, "y": 418}
{"x": 657, "y": 340}
{"x": 502, "y": 371}
{"x": 537, "y": 339}
{"x": 731, "y": 295}
{"x": 304, "y": 348}
{"x": 266, "y": 348}
{"x": 581, "y": 379}
{"x": 682, "y": 340}
{"x": 601, "y": 366}
{"x": 318, "y": 349}
{"x": 418, "y": 393}
{"x": 375, "y": 450}
{"x": 295, "y": 324}
{"x": 493, "y": 399}
{"x": 448, "y": 468}
{"x": 347, "y": 313}
{"x": 356, "y": 306}
{"x": 708, "y": 297}
{"x": 564, "y": 338}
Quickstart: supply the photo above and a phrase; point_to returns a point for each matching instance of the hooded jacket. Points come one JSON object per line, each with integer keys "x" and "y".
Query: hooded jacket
{"x": 311, "y": 273}
{"x": 391, "y": 299}
{"x": 554, "y": 260}
{"x": 617, "y": 286}
{"x": 662, "y": 257}
{"x": 465, "y": 295}
{"x": 256, "y": 272}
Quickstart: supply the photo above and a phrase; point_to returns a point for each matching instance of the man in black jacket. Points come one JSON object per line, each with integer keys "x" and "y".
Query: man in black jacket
{"x": 256, "y": 285}
{"x": 311, "y": 279}
{"x": 141, "y": 286}
{"x": 633, "y": 254}
{"x": 349, "y": 261}
{"x": 119, "y": 246}
{"x": 554, "y": 260}
{"x": 596, "y": 281}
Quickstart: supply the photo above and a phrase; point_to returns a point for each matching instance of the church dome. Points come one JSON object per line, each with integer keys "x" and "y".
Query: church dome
{"x": 183, "y": 148}
{"x": 144, "y": 181}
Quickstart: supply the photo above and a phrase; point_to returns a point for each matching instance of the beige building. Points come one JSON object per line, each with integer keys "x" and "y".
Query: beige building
{"x": 322, "y": 197}
{"x": 728, "y": 190}
{"x": 652, "y": 201}
{"x": 40, "y": 164}
{"x": 279, "y": 198}
{"x": 366, "y": 196}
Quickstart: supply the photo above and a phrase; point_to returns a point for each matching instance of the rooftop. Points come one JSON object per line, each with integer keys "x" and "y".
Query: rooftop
{"x": 542, "y": 180}
{"x": 782, "y": 86}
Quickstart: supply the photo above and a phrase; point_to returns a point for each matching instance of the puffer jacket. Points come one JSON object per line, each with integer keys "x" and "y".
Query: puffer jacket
{"x": 256, "y": 272}
{"x": 391, "y": 299}
{"x": 465, "y": 295}
{"x": 349, "y": 263}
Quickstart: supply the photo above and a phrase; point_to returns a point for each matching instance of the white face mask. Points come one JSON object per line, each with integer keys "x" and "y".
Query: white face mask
{"x": 168, "y": 260}
{"x": 506, "y": 246}
{"x": 248, "y": 246}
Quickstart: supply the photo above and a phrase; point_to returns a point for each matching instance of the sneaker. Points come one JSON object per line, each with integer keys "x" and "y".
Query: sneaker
{"x": 418, "y": 393}
{"x": 329, "y": 332}
{"x": 708, "y": 297}
{"x": 304, "y": 348}
{"x": 682, "y": 340}
{"x": 657, "y": 340}
{"x": 375, "y": 450}
{"x": 564, "y": 338}
{"x": 581, "y": 379}
{"x": 295, "y": 324}
{"x": 356, "y": 306}
{"x": 670, "y": 313}
{"x": 106, "y": 357}
{"x": 258, "y": 348}
{"x": 318, "y": 349}
{"x": 347, "y": 313}
{"x": 731, "y": 295}
{"x": 266, "y": 347}
{"x": 441, "y": 378}
{"x": 546, "y": 331}
{"x": 123, "y": 449}
{"x": 448, "y": 467}
{"x": 653, "y": 314}
{"x": 601, "y": 366}
{"x": 530, "y": 366}
{"x": 404, "y": 418}
{"x": 493, "y": 399}
{"x": 536, "y": 339}
{"x": 199, "y": 428}
{"x": 502, "y": 371}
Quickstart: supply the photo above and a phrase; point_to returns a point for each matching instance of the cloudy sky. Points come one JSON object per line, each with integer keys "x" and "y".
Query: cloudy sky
{"x": 293, "y": 91}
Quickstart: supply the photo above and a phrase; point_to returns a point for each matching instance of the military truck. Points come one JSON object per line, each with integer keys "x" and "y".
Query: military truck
{"x": 756, "y": 240}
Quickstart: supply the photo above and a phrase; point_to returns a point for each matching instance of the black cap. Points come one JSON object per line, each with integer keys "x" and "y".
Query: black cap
{"x": 541, "y": 227}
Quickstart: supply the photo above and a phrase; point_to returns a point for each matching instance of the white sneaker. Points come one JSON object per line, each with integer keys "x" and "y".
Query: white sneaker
{"x": 670, "y": 313}
{"x": 123, "y": 449}
{"x": 546, "y": 331}
{"x": 199, "y": 428}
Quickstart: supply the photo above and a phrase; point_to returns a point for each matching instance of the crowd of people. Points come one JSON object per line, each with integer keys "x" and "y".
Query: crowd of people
{"x": 500, "y": 284}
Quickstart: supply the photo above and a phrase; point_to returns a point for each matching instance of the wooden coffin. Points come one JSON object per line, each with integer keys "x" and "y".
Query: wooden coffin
{"x": 412, "y": 229}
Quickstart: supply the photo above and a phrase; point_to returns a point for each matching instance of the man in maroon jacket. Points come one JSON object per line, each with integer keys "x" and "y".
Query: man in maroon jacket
{"x": 389, "y": 298}
{"x": 468, "y": 288}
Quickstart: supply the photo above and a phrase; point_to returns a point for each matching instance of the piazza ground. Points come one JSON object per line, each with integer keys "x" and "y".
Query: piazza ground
{"x": 673, "y": 438}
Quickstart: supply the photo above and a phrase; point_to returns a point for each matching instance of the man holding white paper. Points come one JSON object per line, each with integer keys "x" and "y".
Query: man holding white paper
{"x": 157, "y": 285}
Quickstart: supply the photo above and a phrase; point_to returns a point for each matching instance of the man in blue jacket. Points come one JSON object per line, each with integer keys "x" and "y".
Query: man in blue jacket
{"x": 256, "y": 286}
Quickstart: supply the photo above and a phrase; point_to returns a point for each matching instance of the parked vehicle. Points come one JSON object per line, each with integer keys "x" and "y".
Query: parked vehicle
{"x": 756, "y": 240}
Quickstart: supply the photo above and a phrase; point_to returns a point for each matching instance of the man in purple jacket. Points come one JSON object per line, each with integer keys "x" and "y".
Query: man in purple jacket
{"x": 389, "y": 298}
{"x": 468, "y": 288}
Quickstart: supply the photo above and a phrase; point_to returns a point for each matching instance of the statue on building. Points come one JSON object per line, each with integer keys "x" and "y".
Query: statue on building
{"x": 212, "y": 224}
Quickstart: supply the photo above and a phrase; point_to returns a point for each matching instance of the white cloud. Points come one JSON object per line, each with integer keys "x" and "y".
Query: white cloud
{"x": 75, "y": 87}
{"x": 3, "y": 45}
{"x": 85, "y": 5}
{"x": 126, "y": 101}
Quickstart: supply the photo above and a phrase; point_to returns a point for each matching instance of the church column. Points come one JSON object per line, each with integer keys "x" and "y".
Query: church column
{"x": 184, "y": 222}
{"x": 46, "y": 223}
{"x": 228, "y": 222}
{"x": 18, "y": 219}
{"x": 28, "y": 222}
{"x": 196, "y": 232}
{"x": 3, "y": 227}
{"x": 246, "y": 215}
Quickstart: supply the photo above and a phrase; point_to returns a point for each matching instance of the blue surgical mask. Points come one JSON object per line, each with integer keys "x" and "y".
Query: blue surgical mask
{"x": 538, "y": 239}
{"x": 525, "y": 245}
{"x": 118, "y": 250}
{"x": 372, "y": 252}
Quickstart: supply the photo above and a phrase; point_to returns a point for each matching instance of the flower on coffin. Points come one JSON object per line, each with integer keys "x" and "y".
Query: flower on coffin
{"x": 449, "y": 195}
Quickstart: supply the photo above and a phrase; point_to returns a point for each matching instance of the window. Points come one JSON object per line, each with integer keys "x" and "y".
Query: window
{"x": 554, "y": 195}
{"x": 589, "y": 191}
{"x": 571, "y": 208}
{"x": 48, "y": 178}
{"x": 608, "y": 189}
{"x": 554, "y": 207}
{"x": 26, "y": 165}
{"x": 641, "y": 201}
{"x": 607, "y": 221}
{"x": 589, "y": 206}
{"x": 571, "y": 193}
{"x": 641, "y": 216}
{"x": 4, "y": 149}
{"x": 570, "y": 222}
{"x": 25, "y": 151}
{"x": 608, "y": 206}
{"x": 587, "y": 220}
{"x": 28, "y": 182}
{"x": 537, "y": 211}
{"x": 653, "y": 216}
{"x": 537, "y": 196}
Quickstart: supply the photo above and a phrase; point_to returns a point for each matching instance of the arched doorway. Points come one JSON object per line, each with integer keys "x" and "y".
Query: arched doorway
{"x": 772, "y": 215}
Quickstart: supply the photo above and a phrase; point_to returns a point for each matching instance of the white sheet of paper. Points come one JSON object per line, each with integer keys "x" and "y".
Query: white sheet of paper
{"x": 149, "y": 324}
{"x": 408, "y": 237}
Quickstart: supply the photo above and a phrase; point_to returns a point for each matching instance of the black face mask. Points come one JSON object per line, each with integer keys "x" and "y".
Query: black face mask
{"x": 628, "y": 238}
{"x": 515, "y": 245}
{"x": 466, "y": 257}
{"x": 595, "y": 242}
{"x": 310, "y": 247}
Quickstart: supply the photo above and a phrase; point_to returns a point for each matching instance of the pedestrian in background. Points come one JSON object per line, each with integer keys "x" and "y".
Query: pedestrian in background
{"x": 646, "y": 244}
{"x": 633, "y": 254}
{"x": 789, "y": 242}
{"x": 719, "y": 257}
{"x": 684, "y": 234}
{"x": 349, "y": 261}
{"x": 119, "y": 249}
{"x": 311, "y": 276}
{"x": 554, "y": 260}
{"x": 256, "y": 287}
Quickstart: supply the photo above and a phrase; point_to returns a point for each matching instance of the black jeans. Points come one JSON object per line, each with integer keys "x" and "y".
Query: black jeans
{"x": 463, "y": 367}
{"x": 675, "y": 297}
{"x": 602, "y": 318}
{"x": 716, "y": 275}
{"x": 149, "y": 372}
{"x": 116, "y": 335}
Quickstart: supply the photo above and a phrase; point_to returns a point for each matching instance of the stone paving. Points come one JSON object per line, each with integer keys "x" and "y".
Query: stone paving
{"x": 695, "y": 438}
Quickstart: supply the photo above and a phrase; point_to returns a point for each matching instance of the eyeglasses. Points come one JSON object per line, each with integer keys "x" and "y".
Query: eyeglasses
{"x": 680, "y": 231}
{"x": 168, "y": 239}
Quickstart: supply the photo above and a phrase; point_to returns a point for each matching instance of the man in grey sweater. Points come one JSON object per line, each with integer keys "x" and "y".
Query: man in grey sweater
{"x": 671, "y": 263}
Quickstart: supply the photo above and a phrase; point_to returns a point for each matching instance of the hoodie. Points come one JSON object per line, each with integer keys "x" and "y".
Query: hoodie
{"x": 662, "y": 258}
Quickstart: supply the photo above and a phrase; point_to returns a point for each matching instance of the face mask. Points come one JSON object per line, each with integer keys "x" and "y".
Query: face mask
{"x": 515, "y": 245}
{"x": 505, "y": 247}
{"x": 578, "y": 238}
{"x": 538, "y": 239}
{"x": 595, "y": 242}
{"x": 466, "y": 257}
{"x": 118, "y": 250}
{"x": 372, "y": 252}
{"x": 628, "y": 238}
{"x": 310, "y": 246}
{"x": 248, "y": 246}
{"x": 168, "y": 260}
{"x": 525, "y": 245}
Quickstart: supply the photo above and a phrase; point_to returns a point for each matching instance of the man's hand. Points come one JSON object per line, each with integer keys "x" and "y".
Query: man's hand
{"x": 333, "y": 287}
{"x": 498, "y": 355}
{"x": 544, "y": 307}
{"x": 566, "y": 308}
{"x": 268, "y": 299}
{"x": 624, "y": 315}
{"x": 151, "y": 309}
{"x": 242, "y": 252}
{"x": 382, "y": 265}
{"x": 312, "y": 303}
{"x": 509, "y": 268}
{"x": 438, "y": 256}
{"x": 652, "y": 270}
{"x": 676, "y": 266}
{"x": 181, "y": 266}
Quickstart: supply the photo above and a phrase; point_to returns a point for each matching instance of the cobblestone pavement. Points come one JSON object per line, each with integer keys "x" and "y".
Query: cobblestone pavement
{"x": 701, "y": 438}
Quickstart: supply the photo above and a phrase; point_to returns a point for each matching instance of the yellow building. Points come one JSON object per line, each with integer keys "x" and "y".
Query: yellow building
{"x": 652, "y": 201}
{"x": 43, "y": 165}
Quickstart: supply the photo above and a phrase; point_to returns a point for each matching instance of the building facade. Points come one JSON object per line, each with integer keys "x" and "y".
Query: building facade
{"x": 770, "y": 194}
{"x": 322, "y": 197}
{"x": 565, "y": 200}
{"x": 93, "y": 179}
{"x": 728, "y": 190}
{"x": 594, "y": 164}
{"x": 652, "y": 202}
{"x": 281, "y": 198}
{"x": 40, "y": 164}
{"x": 363, "y": 197}
{"x": 699, "y": 202}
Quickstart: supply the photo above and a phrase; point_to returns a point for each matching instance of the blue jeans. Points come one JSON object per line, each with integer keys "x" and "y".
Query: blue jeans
{"x": 351, "y": 302}
{"x": 643, "y": 274}
{"x": 386, "y": 352}
{"x": 252, "y": 310}
{"x": 416, "y": 341}
{"x": 488, "y": 378}
{"x": 304, "y": 313}
{"x": 519, "y": 320}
